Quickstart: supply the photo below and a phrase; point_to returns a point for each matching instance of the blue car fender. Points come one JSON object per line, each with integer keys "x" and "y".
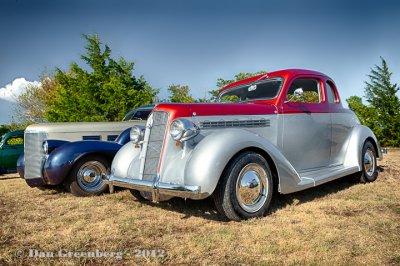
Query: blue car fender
{"x": 61, "y": 160}
{"x": 51, "y": 144}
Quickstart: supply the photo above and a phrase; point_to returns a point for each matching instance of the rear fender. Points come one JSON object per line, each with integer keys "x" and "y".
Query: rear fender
{"x": 358, "y": 136}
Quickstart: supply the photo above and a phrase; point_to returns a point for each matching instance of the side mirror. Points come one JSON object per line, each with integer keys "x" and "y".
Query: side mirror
{"x": 298, "y": 93}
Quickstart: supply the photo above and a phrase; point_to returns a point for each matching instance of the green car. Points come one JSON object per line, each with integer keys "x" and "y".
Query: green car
{"x": 11, "y": 147}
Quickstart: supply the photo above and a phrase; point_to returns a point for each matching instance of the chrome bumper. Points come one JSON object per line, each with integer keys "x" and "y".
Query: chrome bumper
{"x": 155, "y": 187}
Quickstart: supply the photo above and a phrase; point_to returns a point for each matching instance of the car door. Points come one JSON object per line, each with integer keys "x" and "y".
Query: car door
{"x": 11, "y": 150}
{"x": 306, "y": 125}
{"x": 342, "y": 124}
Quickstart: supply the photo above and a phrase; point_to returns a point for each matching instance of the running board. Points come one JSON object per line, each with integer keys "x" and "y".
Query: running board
{"x": 320, "y": 176}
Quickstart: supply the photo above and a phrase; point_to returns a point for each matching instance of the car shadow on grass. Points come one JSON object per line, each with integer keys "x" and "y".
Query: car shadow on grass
{"x": 206, "y": 208}
{"x": 8, "y": 178}
{"x": 191, "y": 208}
{"x": 281, "y": 201}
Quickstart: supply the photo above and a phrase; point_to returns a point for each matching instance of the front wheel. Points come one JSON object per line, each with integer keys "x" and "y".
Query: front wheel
{"x": 85, "y": 178}
{"x": 369, "y": 171}
{"x": 245, "y": 189}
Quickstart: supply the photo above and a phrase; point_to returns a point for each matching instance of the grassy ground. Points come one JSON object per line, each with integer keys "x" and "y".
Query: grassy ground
{"x": 340, "y": 223}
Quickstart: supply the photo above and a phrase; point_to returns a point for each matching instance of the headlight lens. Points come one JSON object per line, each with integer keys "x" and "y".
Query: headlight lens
{"x": 137, "y": 134}
{"x": 45, "y": 147}
{"x": 183, "y": 129}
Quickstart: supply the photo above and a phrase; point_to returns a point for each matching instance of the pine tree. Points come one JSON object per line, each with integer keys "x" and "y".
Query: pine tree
{"x": 380, "y": 93}
{"x": 382, "y": 114}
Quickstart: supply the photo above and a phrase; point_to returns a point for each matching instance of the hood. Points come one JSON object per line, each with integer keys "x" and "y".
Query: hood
{"x": 216, "y": 109}
{"x": 72, "y": 127}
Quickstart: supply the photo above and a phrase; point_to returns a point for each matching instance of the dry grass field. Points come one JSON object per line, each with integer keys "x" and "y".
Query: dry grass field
{"x": 340, "y": 223}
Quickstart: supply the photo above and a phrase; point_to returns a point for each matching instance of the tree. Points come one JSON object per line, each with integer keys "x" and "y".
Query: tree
{"x": 105, "y": 93}
{"x": 366, "y": 114}
{"x": 382, "y": 114}
{"x": 34, "y": 102}
{"x": 4, "y": 129}
{"x": 180, "y": 94}
{"x": 223, "y": 82}
{"x": 12, "y": 127}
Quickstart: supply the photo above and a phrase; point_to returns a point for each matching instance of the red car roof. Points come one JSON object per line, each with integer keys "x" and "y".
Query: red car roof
{"x": 280, "y": 73}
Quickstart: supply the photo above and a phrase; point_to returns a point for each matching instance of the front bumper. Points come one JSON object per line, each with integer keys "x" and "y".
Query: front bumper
{"x": 155, "y": 187}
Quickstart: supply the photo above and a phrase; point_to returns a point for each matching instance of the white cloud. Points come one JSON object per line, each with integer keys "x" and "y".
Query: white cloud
{"x": 11, "y": 91}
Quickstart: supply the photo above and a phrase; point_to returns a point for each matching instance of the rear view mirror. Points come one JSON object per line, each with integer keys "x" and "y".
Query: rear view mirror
{"x": 252, "y": 87}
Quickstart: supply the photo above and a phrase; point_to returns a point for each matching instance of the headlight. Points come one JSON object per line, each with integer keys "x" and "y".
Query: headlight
{"x": 137, "y": 134}
{"x": 183, "y": 129}
{"x": 45, "y": 147}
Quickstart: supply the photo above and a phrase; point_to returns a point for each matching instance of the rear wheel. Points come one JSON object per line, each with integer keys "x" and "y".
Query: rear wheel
{"x": 245, "y": 189}
{"x": 369, "y": 171}
{"x": 85, "y": 178}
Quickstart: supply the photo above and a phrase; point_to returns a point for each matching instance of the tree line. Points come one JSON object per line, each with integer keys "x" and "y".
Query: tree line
{"x": 105, "y": 89}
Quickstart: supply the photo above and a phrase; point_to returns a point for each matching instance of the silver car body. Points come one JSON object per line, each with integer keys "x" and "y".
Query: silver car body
{"x": 304, "y": 149}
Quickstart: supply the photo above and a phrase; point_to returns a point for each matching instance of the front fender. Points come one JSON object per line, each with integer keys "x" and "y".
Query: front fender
{"x": 124, "y": 137}
{"x": 126, "y": 162}
{"x": 212, "y": 154}
{"x": 60, "y": 161}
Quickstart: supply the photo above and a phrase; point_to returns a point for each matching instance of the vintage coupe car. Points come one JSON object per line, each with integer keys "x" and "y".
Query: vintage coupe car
{"x": 75, "y": 155}
{"x": 283, "y": 132}
{"x": 11, "y": 147}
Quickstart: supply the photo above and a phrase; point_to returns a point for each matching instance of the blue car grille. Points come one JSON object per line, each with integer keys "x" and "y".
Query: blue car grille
{"x": 34, "y": 154}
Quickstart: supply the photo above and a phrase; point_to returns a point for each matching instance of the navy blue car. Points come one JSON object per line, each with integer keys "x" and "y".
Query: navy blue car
{"x": 79, "y": 165}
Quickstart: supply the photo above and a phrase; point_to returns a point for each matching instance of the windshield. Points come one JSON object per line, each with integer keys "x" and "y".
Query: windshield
{"x": 265, "y": 89}
{"x": 137, "y": 115}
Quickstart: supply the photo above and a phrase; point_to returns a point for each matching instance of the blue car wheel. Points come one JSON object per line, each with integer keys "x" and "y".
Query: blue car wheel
{"x": 85, "y": 178}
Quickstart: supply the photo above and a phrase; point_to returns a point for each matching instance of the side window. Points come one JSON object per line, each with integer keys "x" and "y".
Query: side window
{"x": 311, "y": 91}
{"x": 16, "y": 140}
{"x": 331, "y": 93}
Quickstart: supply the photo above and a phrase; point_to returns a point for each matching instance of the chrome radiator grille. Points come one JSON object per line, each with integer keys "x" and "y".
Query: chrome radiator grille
{"x": 155, "y": 144}
{"x": 34, "y": 154}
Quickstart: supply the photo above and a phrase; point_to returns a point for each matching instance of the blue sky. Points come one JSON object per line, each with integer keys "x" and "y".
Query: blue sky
{"x": 195, "y": 42}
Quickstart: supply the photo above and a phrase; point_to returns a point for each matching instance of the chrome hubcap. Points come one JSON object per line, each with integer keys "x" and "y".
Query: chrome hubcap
{"x": 252, "y": 188}
{"x": 369, "y": 162}
{"x": 89, "y": 175}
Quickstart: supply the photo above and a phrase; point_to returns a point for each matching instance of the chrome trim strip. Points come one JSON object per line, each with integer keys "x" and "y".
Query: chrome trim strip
{"x": 235, "y": 123}
{"x": 156, "y": 187}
